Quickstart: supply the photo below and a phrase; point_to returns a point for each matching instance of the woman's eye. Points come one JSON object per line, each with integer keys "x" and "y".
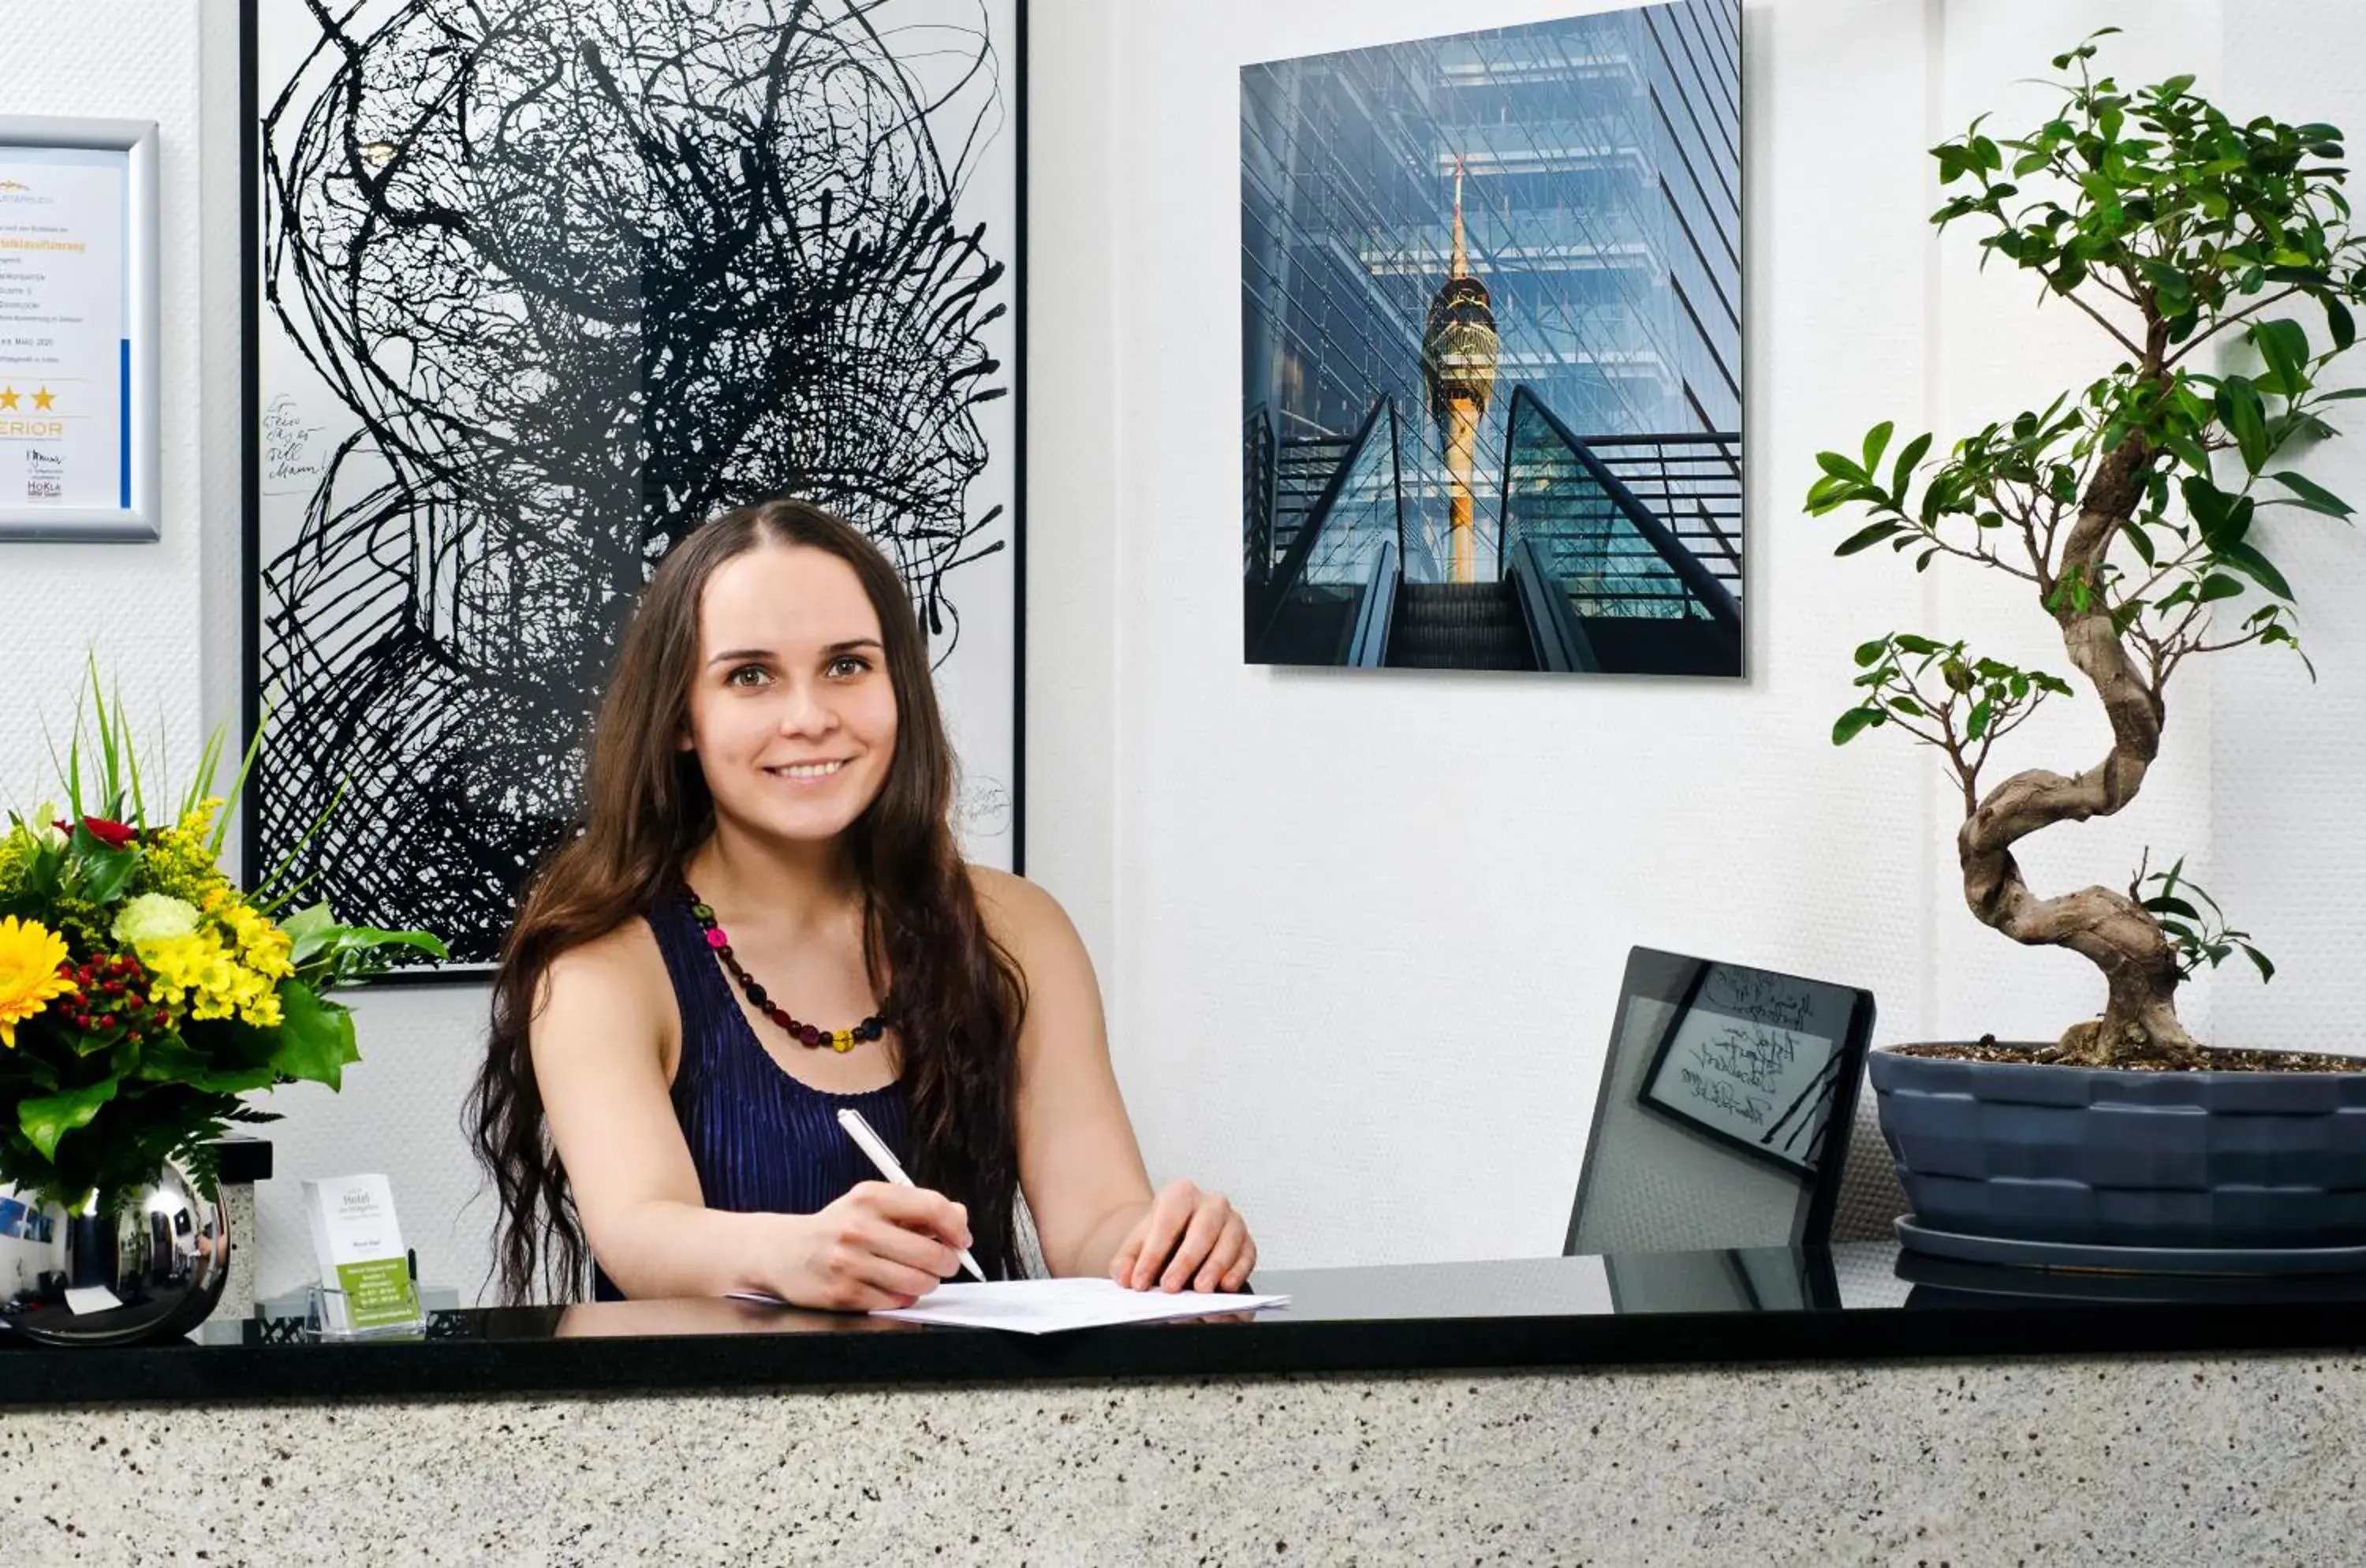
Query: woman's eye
{"x": 747, "y": 675}
{"x": 848, "y": 665}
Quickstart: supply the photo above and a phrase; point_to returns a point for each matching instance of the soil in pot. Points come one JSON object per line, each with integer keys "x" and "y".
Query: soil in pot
{"x": 1987, "y": 1048}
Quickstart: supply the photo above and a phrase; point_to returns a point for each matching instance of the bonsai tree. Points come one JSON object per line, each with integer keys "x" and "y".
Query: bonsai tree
{"x": 2128, "y": 508}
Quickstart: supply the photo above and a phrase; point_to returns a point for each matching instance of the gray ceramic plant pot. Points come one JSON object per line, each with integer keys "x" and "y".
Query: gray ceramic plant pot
{"x": 2106, "y": 1157}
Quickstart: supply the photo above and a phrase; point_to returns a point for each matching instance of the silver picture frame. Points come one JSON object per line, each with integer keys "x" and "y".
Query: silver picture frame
{"x": 136, "y": 519}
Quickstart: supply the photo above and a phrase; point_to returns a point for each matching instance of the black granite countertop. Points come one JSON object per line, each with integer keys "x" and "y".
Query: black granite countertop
{"x": 1853, "y": 1303}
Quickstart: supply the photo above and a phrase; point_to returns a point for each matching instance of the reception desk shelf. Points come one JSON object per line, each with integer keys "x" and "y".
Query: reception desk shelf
{"x": 1858, "y": 1302}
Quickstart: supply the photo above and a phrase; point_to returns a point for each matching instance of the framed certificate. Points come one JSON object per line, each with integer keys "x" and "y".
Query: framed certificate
{"x": 77, "y": 329}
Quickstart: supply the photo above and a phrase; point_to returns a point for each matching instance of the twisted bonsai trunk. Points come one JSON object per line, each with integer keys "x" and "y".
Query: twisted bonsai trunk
{"x": 2108, "y": 928}
{"x": 2173, "y": 227}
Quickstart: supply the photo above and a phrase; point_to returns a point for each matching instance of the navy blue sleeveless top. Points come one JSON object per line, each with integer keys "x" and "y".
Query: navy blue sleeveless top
{"x": 763, "y": 1142}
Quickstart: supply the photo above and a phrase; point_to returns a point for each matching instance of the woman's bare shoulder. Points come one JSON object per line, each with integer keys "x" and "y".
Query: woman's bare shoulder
{"x": 1018, "y": 912}
{"x": 1031, "y": 927}
{"x": 619, "y": 976}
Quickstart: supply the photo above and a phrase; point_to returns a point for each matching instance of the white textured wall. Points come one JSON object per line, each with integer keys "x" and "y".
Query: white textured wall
{"x": 1362, "y": 933}
{"x": 163, "y": 618}
{"x": 1370, "y": 928}
{"x": 135, "y": 606}
{"x": 2285, "y": 755}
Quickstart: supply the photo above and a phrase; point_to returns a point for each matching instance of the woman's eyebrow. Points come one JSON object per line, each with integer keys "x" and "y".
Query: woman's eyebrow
{"x": 765, "y": 655}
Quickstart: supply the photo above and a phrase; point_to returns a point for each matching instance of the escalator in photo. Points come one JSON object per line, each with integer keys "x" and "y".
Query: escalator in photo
{"x": 1615, "y": 553}
{"x": 1459, "y": 625}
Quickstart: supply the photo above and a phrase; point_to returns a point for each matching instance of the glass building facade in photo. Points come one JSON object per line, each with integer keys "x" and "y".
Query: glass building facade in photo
{"x": 1491, "y": 291}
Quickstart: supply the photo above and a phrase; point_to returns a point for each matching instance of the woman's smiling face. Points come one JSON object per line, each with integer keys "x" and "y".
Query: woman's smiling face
{"x": 792, "y": 713}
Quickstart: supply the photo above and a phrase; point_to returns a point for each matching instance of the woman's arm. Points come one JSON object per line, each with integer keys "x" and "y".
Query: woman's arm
{"x": 598, "y": 1044}
{"x": 1078, "y": 1162}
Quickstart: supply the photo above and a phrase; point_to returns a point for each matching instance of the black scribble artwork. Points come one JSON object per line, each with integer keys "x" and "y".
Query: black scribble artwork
{"x": 584, "y": 271}
{"x": 1759, "y": 997}
{"x": 1806, "y": 1116}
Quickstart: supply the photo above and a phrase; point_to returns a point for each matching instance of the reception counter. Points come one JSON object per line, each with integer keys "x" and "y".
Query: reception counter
{"x": 1810, "y": 1407}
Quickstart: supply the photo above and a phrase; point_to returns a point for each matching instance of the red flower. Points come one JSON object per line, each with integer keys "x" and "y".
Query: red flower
{"x": 114, "y": 835}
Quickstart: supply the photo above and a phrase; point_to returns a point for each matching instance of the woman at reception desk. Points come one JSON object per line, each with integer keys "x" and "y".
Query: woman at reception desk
{"x": 764, "y": 922}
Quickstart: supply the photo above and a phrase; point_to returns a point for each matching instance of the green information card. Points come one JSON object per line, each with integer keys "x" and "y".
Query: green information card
{"x": 361, "y": 1254}
{"x": 377, "y": 1293}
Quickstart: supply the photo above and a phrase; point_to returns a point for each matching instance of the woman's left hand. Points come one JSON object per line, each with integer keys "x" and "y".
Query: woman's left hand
{"x": 1189, "y": 1239}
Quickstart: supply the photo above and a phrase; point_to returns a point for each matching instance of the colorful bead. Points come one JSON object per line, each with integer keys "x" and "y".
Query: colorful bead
{"x": 841, "y": 1041}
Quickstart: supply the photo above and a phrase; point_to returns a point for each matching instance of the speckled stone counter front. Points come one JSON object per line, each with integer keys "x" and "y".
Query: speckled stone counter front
{"x": 2249, "y": 1460}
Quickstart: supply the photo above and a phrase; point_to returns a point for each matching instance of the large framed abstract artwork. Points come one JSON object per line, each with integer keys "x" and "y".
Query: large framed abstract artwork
{"x": 1492, "y": 335}
{"x": 534, "y": 286}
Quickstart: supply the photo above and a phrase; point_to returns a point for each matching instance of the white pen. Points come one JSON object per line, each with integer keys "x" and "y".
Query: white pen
{"x": 871, "y": 1145}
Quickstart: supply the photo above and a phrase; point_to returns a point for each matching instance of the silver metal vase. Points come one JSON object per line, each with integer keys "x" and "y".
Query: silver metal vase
{"x": 143, "y": 1268}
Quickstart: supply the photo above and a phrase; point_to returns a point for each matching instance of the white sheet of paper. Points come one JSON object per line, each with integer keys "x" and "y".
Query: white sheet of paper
{"x": 1049, "y": 1306}
{"x": 91, "y": 1298}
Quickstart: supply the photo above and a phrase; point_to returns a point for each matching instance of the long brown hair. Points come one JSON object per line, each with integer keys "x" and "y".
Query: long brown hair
{"x": 955, "y": 994}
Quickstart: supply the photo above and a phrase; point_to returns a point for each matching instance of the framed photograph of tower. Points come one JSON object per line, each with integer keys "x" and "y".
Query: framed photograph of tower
{"x": 1491, "y": 322}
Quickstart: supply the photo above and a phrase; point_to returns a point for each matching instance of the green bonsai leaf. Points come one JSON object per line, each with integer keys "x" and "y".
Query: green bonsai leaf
{"x": 1909, "y": 459}
{"x": 2248, "y": 561}
{"x": 1856, "y": 722}
{"x": 2195, "y": 925}
{"x": 2283, "y": 344}
{"x": 1841, "y": 468}
{"x": 1867, "y": 536}
{"x": 2307, "y": 493}
{"x": 1877, "y": 441}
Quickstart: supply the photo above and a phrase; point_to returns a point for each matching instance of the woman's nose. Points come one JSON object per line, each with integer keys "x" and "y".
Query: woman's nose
{"x": 804, "y": 710}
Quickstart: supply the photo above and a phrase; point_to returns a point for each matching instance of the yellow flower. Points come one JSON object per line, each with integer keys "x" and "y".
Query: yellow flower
{"x": 31, "y": 955}
{"x": 262, "y": 946}
{"x": 180, "y": 863}
{"x": 200, "y": 971}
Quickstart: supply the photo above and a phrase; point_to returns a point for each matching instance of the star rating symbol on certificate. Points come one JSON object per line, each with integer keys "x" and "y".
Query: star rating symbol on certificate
{"x": 44, "y": 397}
{"x": 7, "y": 397}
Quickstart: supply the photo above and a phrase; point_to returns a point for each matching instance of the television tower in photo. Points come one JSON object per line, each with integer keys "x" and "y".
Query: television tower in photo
{"x": 1459, "y": 353}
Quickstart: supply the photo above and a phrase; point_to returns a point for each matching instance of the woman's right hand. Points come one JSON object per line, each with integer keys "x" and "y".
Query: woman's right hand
{"x": 881, "y": 1246}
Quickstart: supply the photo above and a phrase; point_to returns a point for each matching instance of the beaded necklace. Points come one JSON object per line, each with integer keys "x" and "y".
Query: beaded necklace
{"x": 839, "y": 1040}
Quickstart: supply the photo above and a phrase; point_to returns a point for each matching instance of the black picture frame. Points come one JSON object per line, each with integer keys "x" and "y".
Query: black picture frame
{"x": 1838, "y": 1074}
{"x": 1657, "y": 979}
{"x": 255, "y": 855}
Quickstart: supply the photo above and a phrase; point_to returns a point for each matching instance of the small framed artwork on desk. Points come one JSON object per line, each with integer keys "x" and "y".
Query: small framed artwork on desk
{"x": 1725, "y": 1109}
{"x": 1758, "y": 1060}
{"x": 77, "y": 329}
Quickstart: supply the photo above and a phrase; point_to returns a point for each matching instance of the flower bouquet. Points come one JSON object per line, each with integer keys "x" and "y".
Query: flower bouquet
{"x": 143, "y": 995}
